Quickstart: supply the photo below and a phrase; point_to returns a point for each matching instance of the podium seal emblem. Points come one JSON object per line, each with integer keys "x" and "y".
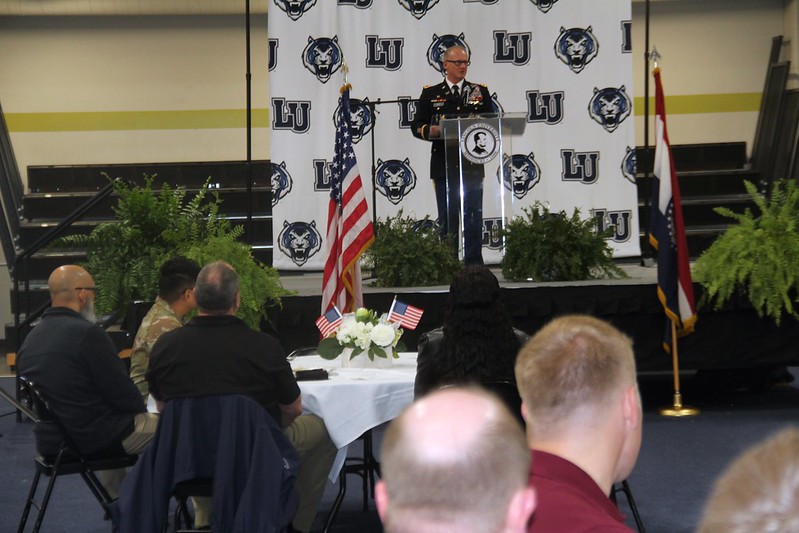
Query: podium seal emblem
{"x": 480, "y": 143}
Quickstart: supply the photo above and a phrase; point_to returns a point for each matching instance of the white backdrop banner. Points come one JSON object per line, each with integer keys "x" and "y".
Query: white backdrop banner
{"x": 566, "y": 65}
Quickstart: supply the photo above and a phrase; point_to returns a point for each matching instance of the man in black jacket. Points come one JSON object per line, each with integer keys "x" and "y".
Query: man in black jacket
{"x": 454, "y": 97}
{"x": 217, "y": 353}
{"x": 75, "y": 365}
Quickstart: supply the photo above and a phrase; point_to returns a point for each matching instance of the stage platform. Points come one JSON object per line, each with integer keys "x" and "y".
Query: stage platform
{"x": 733, "y": 337}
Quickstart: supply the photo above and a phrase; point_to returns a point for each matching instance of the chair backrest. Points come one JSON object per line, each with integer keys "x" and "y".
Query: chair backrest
{"x": 37, "y": 401}
{"x": 41, "y": 407}
{"x": 52, "y": 437}
{"x": 22, "y": 404}
{"x": 299, "y": 352}
{"x": 228, "y": 438}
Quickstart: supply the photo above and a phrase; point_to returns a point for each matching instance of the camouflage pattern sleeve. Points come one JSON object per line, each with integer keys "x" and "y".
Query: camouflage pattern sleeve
{"x": 158, "y": 321}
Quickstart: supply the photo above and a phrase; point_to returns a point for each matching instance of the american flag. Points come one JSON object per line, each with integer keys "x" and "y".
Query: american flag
{"x": 349, "y": 227}
{"x": 407, "y": 315}
{"x": 667, "y": 234}
{"x": 328, "y": 322}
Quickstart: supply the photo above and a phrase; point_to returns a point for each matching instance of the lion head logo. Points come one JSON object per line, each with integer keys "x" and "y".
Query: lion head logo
{"x": 610, "y": 107}
{"x": 544, "y": 5}
{"x": 520, "y": 173}
{"x": 629, "y": 165}
{"x": 299, "y": 241}
{"x": 395, "y": 179}
{"x": 418, "y": 8}
{"x": 440, "y": 45}
{"x": 576, "y": 47}
{"x": 281, "y": 182}
{"x": 322, "y": 56}
{"x": 295, "y": 8}
{"x": 495, "y": 105}
{"x": 361, "y": 121}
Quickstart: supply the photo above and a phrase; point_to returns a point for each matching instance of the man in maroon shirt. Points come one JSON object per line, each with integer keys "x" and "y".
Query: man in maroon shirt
{"x": 580, "y": 400}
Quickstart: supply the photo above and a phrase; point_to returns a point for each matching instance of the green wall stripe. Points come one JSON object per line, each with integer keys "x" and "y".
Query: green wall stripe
{"x": 236, "y": 118}
{"x": 135, "y": 120}
{"x": 703, "y": 103}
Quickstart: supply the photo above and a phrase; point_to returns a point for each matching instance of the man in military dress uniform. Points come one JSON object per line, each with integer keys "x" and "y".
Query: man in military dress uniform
{"x": 451, "y": 98}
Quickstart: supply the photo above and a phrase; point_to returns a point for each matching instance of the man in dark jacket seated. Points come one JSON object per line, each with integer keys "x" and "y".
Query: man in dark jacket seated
{"x": 216, "y": 353}
{"x": 75, "y": 365}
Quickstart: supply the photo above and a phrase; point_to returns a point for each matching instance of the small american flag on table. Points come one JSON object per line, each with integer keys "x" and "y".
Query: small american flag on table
{"x": 407, "y": 315}
{"x": 328, "y": 322}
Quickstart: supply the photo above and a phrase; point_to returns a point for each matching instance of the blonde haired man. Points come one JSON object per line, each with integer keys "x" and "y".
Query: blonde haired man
{"x": 580, "y": 400}
{"x": 456, "y": 460}
{"x": 759, "y": 491}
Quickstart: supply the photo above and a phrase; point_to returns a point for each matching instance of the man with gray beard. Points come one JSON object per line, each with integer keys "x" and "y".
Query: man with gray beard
{"x": 75, "y": 365}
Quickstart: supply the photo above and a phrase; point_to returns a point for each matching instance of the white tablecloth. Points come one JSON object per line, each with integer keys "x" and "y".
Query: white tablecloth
{"x": 355, "y": 400}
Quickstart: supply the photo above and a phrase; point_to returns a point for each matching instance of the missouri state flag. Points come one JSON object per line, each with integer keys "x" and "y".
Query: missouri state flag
{"x": 667, "y": 233}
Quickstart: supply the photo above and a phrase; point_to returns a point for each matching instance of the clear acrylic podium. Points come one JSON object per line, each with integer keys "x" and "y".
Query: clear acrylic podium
{"x": 478, "y": 151}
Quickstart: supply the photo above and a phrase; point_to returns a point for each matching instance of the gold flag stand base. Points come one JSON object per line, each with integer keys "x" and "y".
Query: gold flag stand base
{"x": 678, "y": 409}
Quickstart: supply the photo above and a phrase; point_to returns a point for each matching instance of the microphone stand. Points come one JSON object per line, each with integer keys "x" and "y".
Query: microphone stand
{"x": 373, "y": 110}
{"x": 248, "y": 79}
{"x": 647, "y": 257}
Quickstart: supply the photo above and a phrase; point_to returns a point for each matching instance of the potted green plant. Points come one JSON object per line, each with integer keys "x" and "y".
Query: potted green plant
{"x": 758, "y": 255}
{"x": 545, "y": 246}
{"x": 408, "y": 252}
{"x": 124, "y": 256}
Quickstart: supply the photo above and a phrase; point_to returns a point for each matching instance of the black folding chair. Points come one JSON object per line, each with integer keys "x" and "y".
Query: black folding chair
{"x": 624, "y": 488}
{"x": 183, "y": 521}
{"x": 67, "y": 460}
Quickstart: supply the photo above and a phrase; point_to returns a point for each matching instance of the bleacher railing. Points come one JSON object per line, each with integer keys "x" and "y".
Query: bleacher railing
{"x": 11, "y": 192}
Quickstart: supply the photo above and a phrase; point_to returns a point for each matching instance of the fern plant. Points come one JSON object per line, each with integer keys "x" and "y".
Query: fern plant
{"x": 546, "y": 246}
{"x": 151, "y": 226}
{"x": 259, "y": 285}
{"x": 409, "y": 253}
{"x": 758, "y": 256}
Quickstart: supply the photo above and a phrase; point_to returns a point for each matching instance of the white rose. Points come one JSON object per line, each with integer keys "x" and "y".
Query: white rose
{"x": 363, "y": 340}
{"x": 346, "y": 331}
{"x": 383, "y": 335}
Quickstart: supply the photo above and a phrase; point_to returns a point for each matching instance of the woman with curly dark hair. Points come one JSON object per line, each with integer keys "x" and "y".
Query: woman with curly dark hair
{"x": 477, "y": 344}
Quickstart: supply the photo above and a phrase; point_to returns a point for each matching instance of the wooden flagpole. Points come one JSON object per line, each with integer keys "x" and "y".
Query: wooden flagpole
{"x": 678, "y": 409}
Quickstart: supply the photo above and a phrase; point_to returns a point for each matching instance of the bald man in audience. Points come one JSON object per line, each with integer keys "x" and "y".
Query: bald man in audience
{"x": 580, "y": 401}
{"x": 217, "y": 353}
{"x": 76, "y": 366}
{"x": 759, "y": 491}
{"x": 456, "y": 460}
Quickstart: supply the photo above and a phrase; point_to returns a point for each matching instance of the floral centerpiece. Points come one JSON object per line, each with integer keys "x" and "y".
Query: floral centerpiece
{"x": 363, "y": 331}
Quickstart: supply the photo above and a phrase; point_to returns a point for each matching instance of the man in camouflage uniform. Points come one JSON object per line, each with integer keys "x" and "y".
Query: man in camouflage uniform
{"x": 175, "y": 299}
